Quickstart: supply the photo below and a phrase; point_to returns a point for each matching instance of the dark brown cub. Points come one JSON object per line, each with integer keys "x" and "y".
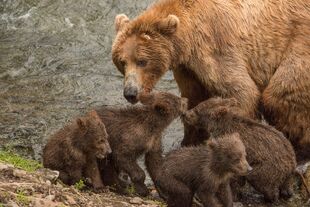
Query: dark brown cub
{"x": 137, "y": 130}
{"x": 205, "y": 170}
{"x": 74, "y": 150}
{"x": 269, "y": 153}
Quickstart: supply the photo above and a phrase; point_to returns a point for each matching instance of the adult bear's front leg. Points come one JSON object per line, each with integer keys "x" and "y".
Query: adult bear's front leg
{"x": 226, "y": 77}
{"x": 191, "y": 88}
{"x": 286, "y": 99}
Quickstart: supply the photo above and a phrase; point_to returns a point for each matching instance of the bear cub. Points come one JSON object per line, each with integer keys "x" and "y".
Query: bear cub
{"x": 269, "y": 153}
{"x": 74, "y": 150}
{"x": 137, "y": 130}
{"x": 204, "y": 170}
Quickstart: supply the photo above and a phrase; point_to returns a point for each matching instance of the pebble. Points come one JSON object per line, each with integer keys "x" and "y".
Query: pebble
{"x": 136, "y": 200}
{"x": 70, "y": 200}
{"x": 238, "y": 204}
{"x": 19, "y": 173}
{"x": 148, "y": 205}
{"x": 13, "y": 204}
{"x": 3, "y": 166}
{"x": 48, "y": 183}
{"x": 48, "y": 174}
{"x": 50, "y": 197}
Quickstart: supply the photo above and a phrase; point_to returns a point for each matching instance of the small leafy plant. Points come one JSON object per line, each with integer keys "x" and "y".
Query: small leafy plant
{"x": 80, "y": 184}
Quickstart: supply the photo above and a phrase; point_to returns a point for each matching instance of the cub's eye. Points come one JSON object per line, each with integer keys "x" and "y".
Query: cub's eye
{"x": 141, "y": 63}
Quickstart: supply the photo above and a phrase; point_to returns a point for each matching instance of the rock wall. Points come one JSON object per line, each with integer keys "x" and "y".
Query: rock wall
{"x": 55, "y": 63}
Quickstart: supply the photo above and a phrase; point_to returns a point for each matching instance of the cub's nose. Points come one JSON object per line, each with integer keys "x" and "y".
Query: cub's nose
{"x": 131, "y": 93}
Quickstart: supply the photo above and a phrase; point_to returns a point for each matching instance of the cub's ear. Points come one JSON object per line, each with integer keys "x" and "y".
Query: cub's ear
{"x": 218, "y": 112}
{"x": 231, "y": 102}
{"x": 120, "y": 21}
{"x": 168, "y": 25}
{"x": 94, "y": 115}
{"x": 212, "y": 143}
{"x": 190, "y": 117}
{"x": 82, "y": 124}
{"x": 161, "y": 108}
{"x": 146, "y": 98}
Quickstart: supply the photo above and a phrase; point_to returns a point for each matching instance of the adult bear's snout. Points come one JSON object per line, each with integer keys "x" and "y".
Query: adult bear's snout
{"x": 131, "y": 94}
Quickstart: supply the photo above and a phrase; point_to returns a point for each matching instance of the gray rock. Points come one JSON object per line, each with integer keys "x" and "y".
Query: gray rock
{"x": 136, "y": 200}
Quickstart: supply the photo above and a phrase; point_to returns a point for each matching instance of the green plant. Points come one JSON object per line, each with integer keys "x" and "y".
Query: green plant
{"x": 22, "y": 198}
{"x": 80, "y": 184}
{"x": 18, "y": 161}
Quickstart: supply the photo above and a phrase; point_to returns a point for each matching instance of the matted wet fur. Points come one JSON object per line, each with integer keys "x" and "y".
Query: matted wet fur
{"x": 254, "y": 51}
{"x": 74, "y": 150}
{"x": 269, "y": 153}
{"x": 137, "y": 130}
{"x": 204, "y": 170}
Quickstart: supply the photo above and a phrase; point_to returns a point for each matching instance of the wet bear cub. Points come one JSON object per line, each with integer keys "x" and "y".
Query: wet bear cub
{"x": 137, "y": 130}
{"x": 269, "y": 153}
{"x": 74, "y": 150}
{"x": 204, "y": 170}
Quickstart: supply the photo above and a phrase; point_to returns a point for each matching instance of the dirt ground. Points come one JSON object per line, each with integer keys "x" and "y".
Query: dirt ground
{"x": 42, "y": 189}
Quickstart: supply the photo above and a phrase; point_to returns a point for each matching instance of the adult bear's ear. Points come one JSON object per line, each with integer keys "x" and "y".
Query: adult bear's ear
{"x": 168, "y": 25}
{"x": 120, "y": 21}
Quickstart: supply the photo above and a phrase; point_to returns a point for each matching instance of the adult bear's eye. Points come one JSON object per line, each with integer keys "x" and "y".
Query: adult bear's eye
{"x": 141, "y": 63}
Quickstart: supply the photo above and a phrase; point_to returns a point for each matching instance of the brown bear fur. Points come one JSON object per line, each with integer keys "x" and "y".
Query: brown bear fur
{"x": 205, "y": 170}
{"x": 254, "y": 51}
{"x": 137, "y": 130}
{"x": 269, "y": 153}
{"x": 74, "y": 150}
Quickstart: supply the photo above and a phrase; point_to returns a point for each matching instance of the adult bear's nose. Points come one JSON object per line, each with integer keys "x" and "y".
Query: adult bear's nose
{"x": 131, "y": 93}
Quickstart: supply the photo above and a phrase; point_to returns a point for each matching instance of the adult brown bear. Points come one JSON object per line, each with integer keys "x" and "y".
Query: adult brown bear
{"x": 256, "y": 51}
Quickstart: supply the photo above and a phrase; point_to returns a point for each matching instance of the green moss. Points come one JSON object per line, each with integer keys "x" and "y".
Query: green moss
{"x": 18, "y": 161}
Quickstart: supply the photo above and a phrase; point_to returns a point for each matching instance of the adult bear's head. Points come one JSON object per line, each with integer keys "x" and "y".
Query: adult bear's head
{"x": 143, "y": 50}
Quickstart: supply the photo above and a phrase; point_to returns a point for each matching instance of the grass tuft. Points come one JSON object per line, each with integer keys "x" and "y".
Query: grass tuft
{"x": 19, "y": 162}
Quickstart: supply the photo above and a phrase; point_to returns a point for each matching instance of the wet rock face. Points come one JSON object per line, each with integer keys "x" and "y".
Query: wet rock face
{"x": 55, "y": 63}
